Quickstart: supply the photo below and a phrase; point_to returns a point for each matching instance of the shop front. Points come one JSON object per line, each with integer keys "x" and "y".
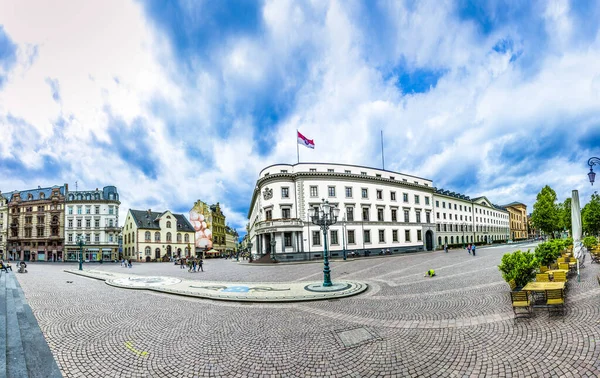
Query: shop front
{"x": 72, "y": 254}
{"x": 41, "y": 255}
{"x": 107, "y": 254}
{"x": 92, "y": 255}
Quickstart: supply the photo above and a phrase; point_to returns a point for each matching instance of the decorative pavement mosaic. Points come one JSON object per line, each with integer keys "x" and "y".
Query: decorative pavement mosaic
{"x": 237, "y": 291}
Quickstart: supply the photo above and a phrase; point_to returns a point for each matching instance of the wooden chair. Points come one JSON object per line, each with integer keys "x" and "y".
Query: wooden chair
{"x": 595, "y": 256}
{"x": 555, "y": 300}
{"x": 542, "y": 277}
{"x": 554, "y": 266}
{"x": 560, "y": 260}
{"x": 543, "y": 269}
{"x": 520, "y": 301}
{"x": 560, "y": 277}
{"x": 564, "y": 266}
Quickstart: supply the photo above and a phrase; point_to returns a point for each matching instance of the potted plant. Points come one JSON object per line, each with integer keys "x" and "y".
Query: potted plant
{"x": 590, "y": 242}
{"x": 518, "y": 266}
{"x": 547, "y": 253}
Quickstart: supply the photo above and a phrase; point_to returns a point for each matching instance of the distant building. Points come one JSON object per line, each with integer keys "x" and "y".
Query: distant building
{"x": 218, "y": 228}
{"x": 3, "y": 226}
{"x": 462, "y": 220}
{"x": 231, "y": 240}
{"x": 36, "y": 224}
{"x": 518, "y": 220}
{"x": 93, "y": 215}
{"x": 156, "y": 236}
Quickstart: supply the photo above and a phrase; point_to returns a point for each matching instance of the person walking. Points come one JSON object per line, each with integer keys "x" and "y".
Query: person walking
{"x": 469, "y": 248}
{"x": 200, "y": 264}
{"x": 446, "y": 247}
{"x": 194, "y": 263}
{"x": 473, "y": 249}
{"x": 129, "y": 263}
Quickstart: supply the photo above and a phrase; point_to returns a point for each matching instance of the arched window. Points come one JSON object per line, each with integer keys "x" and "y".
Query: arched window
{"x": 71, "y": 197}
{"x": 88, "y": 197}
{"x": 451, "y": 239}
{"x": 132, "y": 237}
{"x": 168, "y": 236}
{"x": 148, "y": 251}
{"x": 439, "y": 240}
{"x": 446, "y": 239}
{"x": 157, "y": 236}
{"x": 168, "y": 224}
{"x": 42, "y": 196}
{"x": 147, "y": 236}
{"x": 178, "y": 237}
{"x": 157, "y": 253}
{"x": 79, "y": 197}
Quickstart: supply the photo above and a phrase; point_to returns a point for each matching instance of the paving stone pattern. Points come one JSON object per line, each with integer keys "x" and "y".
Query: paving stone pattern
{"x": 457, "y": 324}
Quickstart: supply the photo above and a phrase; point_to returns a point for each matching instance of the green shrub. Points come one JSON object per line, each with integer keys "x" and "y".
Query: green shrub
{"x": 518, "y": 266}
{"x": 547, "y": 253}
{"x": 568, "y": 242}
{"x": 590, "y": 242}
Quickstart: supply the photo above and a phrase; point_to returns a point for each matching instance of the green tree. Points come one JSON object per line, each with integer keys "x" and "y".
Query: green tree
{"x": 545, "y": 215}
{"x": 590, "y": 215}
{"x": 519, "y": 266}
{"x": 565, "y": 215}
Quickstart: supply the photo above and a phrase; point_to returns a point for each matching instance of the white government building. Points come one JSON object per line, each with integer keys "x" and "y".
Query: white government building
{"x": 380, "y": 211}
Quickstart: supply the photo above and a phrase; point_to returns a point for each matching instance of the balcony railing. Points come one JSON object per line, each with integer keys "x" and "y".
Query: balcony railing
{"x": 279, "y": 223}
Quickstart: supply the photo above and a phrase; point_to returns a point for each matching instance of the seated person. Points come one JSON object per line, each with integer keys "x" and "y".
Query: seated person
{"x": 7, "y": 266}
{"x": 3, "y": 266}
{"x": 430, "y": 273}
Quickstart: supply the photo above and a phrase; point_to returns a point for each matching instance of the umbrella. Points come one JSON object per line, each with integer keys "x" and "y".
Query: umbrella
{"x": 576, "y": 224}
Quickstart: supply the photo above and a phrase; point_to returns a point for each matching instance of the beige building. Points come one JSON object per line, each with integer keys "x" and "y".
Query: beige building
{"x": 3, "y": 226}
{"x": 518, "y": 220}
{"x": 156, "y": 236}
{"x": 231, "y": 240}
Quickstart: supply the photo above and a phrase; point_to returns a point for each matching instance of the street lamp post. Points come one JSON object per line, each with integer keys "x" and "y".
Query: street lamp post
{"x": 591, "y": 174}
{"x": 344, "y": 236}
{"x": 81, "y": 243}
{"x": 249, "y": 251}
{"x": 273, "y": 243}
{"x": 325, "y": 216}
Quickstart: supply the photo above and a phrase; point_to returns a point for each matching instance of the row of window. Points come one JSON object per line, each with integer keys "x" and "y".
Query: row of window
{"x": 29, "y": 209}
{"x": 88, "y": 209}
{"x": 88, "y": 238}
{"x": 364, "y": 193}
{"x": 130, "y": 238}
{"x": 465, "y": 227}
{"x": 351, "y": 237}
{"x": 88, "y": 223}
{"x": 347, "y": 171}
{"x": 286, "y": 214}
{"x": 40, "y": 232}
{"x": 460, "y": 207}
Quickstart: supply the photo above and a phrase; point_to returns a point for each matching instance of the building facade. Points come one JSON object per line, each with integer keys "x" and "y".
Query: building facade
{"x": 157, "y": 236}
{"x": 518, "y": 220}
{"x": 462, "y": 220}
{"x": 3, "y": 226}
{"x": 231, "y": 240}
{"x": 36, "y": 228}
{"x": 379, "y": 211}
{"x": 218, "y": 229}
{"x": 94, "y": 217}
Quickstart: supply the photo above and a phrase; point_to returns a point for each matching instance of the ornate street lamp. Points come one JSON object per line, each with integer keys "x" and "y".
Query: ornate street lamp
{"x": 249, "y": 244}
{"x": 591, "y": 162}
{"x": 324, "y": 217}
{"x": 273, "y": 243}
{"x": 81, "y": 243}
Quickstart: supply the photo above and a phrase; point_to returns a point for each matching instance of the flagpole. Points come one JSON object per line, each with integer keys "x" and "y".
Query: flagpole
{"x": 382, "y": 159}
{"x": 297, "y": 147}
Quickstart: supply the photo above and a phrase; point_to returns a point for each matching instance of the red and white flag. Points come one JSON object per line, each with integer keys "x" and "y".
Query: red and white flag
{"x": 305, "y": 141}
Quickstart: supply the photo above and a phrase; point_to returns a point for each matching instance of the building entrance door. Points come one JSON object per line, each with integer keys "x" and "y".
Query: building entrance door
{"x": 27, "y": 256}
{"x": 429, "y": 240}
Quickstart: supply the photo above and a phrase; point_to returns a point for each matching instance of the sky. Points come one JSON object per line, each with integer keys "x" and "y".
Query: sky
{"x": 175, "y": 101}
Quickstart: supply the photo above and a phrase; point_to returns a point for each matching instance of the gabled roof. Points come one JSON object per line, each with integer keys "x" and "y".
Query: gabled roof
{"x": 150, "y": 220}
{"x": 515, "y": 204}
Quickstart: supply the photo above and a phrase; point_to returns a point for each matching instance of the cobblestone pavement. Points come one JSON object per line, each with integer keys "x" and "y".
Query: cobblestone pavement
{"x": 457, "y": 324}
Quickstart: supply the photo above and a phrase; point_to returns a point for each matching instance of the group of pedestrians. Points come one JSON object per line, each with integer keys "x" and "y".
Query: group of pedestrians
{"x": 194, "y": 265}
{"x": 470, "y": 248}
{"x": 126, "y": 263}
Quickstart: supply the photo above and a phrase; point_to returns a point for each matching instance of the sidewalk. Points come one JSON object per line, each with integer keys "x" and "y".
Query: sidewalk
{"x": 228, "y": 291}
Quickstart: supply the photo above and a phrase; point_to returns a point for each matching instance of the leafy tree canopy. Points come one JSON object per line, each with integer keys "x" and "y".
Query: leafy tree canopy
{"x": 590, "y": 215}
{"x": 545, "y": 215}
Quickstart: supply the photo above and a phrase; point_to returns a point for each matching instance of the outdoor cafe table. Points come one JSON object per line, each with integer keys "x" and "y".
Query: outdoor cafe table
{"x": 542, "y": 287}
